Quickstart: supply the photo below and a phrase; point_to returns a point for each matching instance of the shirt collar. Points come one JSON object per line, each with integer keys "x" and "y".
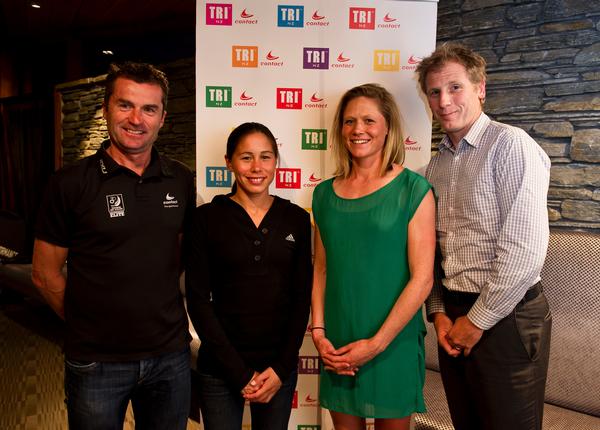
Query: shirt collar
{"x": 107, "y": 166}
{"x": 473, "y": 136}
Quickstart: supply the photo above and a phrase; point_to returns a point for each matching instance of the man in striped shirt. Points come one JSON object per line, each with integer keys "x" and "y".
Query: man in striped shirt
{"x": 492, "y": 320}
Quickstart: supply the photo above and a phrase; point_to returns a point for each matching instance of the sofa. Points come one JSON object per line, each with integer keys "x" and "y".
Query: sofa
{"x": 571, "y": 281}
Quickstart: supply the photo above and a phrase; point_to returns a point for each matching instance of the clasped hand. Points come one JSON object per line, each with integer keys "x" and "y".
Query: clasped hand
{"x": 456, "y": 338}
{"x": 347, "y": 359}
{"x": 262, "y": 387}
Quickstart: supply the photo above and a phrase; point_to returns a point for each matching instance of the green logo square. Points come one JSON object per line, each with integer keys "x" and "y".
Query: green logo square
{"x": 218, "y": 97}
{"x": 314, "y": 138}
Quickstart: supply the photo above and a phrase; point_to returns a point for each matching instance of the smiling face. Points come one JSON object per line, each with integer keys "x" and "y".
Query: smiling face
{"x": 364, "y": 129}
{"x": 134, "y": 115}
{"x": 253, "y": 163}
{"x": 454, "y": 100}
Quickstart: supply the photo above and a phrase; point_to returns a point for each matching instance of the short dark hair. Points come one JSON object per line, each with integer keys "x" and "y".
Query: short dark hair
{"x": 458, "y": 53}
{"x": 244, "y": 130}
{"x": 142, "y": 73}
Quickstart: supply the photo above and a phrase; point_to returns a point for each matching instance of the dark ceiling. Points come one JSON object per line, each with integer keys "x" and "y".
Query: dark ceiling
{"x": 141, "y": 30}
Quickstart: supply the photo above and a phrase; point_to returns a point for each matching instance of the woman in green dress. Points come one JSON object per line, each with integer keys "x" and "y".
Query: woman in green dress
{"x": 373, "y": 269}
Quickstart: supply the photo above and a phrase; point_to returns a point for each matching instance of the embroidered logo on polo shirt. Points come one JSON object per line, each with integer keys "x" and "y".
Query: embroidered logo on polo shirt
{"x": 170, "y": 201}
{"x": 116, "y": 205}
{"x": 290, "y": 238}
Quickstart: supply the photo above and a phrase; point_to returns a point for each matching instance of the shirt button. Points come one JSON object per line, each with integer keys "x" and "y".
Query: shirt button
{"x": 257, "y": 242}
{"x": 257, "y": 258}
{"x": 265, "y": 230}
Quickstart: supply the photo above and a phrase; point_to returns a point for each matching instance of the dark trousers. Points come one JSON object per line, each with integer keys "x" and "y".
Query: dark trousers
{"x": 500, "y": 385}
{"x": 223, "y": 408}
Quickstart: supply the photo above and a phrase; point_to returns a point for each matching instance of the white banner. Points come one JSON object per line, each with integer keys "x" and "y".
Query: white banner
{"x": 286, "y": 66}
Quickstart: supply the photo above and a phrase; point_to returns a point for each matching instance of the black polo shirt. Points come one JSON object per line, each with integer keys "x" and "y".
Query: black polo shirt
{"x": 122, "y": 300}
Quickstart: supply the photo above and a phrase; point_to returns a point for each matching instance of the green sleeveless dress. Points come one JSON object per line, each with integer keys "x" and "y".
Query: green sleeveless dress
{"x": 365, "y": 242}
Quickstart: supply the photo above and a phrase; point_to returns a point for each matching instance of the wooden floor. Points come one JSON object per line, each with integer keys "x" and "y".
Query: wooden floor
{"x": 31, "y": 368}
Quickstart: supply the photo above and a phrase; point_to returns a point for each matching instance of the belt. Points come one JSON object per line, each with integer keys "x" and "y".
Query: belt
{"x": 461, "y": 298}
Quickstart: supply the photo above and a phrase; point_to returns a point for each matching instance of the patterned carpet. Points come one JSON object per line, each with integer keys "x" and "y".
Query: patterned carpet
{"x": 31, "y": 369}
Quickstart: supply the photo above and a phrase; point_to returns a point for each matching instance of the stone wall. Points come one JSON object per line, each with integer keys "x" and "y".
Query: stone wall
{"x": 84, "y": 129}
{"x": 543, "y": 76}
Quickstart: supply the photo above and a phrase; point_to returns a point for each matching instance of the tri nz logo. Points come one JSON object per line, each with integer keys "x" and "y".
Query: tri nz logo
{"x": 386, "y": 60}
{"x": 218, "y": 97}
{"x": 362, "y": 18}
{"x": 218, "y": 177}
{"x": 244, "y": 56}
{"x": 314, "y": 138}
{"x": 290, "y": 16}
{"x": 289, "y": 98}
{"x": 315, "y": 58}
{"x": 218, "y": 13}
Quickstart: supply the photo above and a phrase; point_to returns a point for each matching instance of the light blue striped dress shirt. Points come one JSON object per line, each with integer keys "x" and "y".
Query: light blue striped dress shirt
{"x": 492, "y": 221}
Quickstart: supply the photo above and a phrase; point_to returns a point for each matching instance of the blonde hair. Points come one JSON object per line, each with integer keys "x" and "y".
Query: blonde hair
{"x": 393, "y": 149}
{"x": 455, "y": 52}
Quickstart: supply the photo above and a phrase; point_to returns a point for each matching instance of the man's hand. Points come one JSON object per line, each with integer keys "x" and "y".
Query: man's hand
{"x": 47, "y": 275}
{"x": 464, "y": 335}
{"x": 443, "y": 325}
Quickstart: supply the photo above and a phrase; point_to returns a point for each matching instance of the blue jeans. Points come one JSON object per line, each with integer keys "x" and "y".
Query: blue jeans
{"x": 159, "y": 388}
{"x": 222, "y": 408}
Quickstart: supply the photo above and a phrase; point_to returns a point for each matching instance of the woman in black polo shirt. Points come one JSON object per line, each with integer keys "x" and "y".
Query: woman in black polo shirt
{"x": 248, "y": 281}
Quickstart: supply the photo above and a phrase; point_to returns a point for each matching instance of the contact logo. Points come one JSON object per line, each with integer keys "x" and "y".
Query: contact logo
{"x": 389, "y": 22}
{"x": 343, "y": 61}
{"x": 246, "y": 18}
{"x": 170, "y": 201}
{"x": 316, "y": 102}
{"x": 412, "y": 63}
{"x": 245, "y": 100}
{"x": 309, "y": 401}
{"x": 317, "y": 20}
{"x": 313, "y": 181}
{"x": 411, "y": 145}
{"x": 271, "y": 60}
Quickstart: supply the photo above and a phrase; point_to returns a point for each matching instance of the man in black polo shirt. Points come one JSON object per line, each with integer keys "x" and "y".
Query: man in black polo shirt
{"x": 118, "y": 216}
